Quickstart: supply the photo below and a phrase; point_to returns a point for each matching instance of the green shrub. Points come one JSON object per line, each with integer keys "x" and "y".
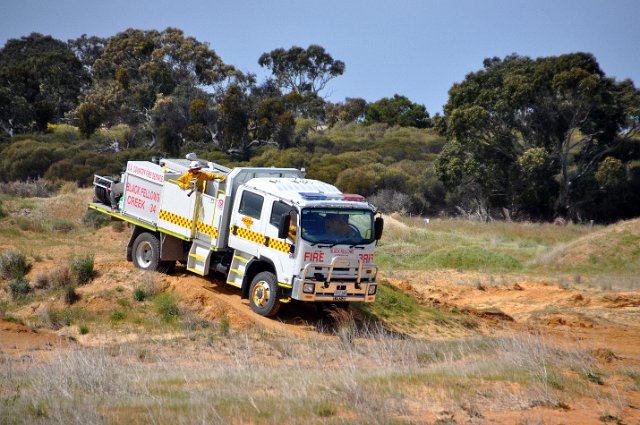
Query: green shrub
{"x": 95, "y": 219}
{"x": 166, "y": 305}
{"x": 84, "y": 329}
{"x": 82, "y": 269}
{"x": 118, "y": 315}
{"x": 13, "y": 264}
{"x": 3, "y": 214}
{"x": 139, "y": 294}
{"x": 19, "y": 288}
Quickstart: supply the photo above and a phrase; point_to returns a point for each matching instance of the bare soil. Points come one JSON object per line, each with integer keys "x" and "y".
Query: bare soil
{"x": 603, "y": 322}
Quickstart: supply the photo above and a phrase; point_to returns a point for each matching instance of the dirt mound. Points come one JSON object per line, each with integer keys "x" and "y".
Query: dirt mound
{"x": 616, "y": 247}
{"x": 621, "y": 300}
{"x": 16, "y": 338}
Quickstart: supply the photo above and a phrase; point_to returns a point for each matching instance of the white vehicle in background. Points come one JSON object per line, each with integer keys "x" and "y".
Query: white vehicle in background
{"x": 275, "y": 234}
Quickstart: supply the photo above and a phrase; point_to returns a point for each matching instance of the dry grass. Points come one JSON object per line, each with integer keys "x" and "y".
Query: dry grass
{"x": 256, "y": 377}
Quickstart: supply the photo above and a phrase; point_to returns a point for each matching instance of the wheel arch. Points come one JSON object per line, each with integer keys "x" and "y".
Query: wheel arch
{"x": 255, "y": 266}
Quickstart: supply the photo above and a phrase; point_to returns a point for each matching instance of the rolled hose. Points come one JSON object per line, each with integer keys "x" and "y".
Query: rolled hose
{"x": 102, "y": 195}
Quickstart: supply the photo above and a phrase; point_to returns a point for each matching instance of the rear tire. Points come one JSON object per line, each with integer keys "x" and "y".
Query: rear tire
{"x": 264, "y": 294}
{"x": 146, "y": 254}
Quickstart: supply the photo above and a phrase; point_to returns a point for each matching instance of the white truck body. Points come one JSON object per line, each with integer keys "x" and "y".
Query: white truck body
{"x": 264, "y": 228}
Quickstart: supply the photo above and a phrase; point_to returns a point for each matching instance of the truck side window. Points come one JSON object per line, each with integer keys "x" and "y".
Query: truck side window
{"x": 277, "y": 210}
{"x": 251, "y": 204}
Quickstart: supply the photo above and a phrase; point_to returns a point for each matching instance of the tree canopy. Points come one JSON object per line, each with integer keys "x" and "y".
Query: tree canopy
{"x": 302, "y": 70}
{"x": 40, "y": 80}
{"x": 528, "y": 135}
{"x": 398, "y": 110}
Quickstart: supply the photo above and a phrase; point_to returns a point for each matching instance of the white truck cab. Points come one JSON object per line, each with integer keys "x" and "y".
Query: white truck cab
{"x": 275, "y": 234}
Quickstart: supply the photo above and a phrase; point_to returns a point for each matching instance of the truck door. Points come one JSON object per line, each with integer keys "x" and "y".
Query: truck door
{"x": 246, "y": 226}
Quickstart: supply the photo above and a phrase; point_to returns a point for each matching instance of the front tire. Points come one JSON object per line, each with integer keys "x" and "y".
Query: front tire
{"x": 264, "y": 294}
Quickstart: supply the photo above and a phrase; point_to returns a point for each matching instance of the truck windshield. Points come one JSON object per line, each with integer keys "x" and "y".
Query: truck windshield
{"x": 337, "y": 226}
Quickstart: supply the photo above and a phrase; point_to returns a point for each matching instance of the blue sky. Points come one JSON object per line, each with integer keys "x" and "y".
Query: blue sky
{"x": 414, "y": 48}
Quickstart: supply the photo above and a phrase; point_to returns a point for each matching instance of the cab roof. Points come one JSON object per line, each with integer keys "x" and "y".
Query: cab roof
{"x": 307, "y": 192}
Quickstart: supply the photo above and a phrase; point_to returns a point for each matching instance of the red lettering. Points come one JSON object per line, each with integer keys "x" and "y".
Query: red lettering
{"x": 135, "y": 202}
{"x": 317, "y": 257}
{"x": 366, "y": 258}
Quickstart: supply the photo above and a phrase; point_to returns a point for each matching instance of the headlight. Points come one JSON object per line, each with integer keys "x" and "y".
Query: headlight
{"x": 372, "y": 289}
{"x": 308, "y": 288}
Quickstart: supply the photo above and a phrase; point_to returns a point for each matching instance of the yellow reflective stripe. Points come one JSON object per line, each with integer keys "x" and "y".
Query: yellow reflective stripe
{"x": 285, "y": 300}
{"x": 238, "y": 272}
{"x": 240, "y": 258}
{"x": 196, "y": 271}
{"x": 233, "y": 284}
{"x": 284, "y": 285}
{"x": 176, "y": 219}
{"x": 199, "y": 257}
{"x": 261, "y": 239}
{"x": 175, "y": 235}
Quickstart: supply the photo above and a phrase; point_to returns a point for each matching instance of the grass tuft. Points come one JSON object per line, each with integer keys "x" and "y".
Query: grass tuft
{"x": 166, "y": 305}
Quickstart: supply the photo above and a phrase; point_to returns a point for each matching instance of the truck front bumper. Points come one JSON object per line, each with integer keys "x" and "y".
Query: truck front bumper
{"x": 346, "y": 279}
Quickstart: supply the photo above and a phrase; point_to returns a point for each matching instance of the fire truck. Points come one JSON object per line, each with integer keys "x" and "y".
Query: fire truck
{"x": 267, "y": 230}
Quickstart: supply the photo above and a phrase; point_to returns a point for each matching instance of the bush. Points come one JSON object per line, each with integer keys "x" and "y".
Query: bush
{"x": 13, "y": 264}
{"x": 139, "y": 294}
{"x": 82, "y": 269}
{"x": 19, "y": 288}
{"x": 84, "y": 329}
{"x": 60, "y": 277}
{"x": 166, "y": 305}
{"x": 95, "y": 219}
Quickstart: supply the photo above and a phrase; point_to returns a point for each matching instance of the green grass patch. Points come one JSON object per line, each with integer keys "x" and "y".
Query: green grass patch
{"x": 471, "y": 258}
{"x": 117, "y": 315}
{"x": 166, "y": 305}
{"x": 65, "y": 317}
{"x": 401, "y": 312}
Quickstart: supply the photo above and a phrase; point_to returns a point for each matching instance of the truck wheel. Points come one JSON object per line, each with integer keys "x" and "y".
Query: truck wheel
{"x": 264, "y": 295}
{"x": 146, "y": 253}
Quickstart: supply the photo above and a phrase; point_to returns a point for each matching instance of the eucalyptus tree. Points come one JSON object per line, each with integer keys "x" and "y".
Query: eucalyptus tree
{"x": 527, "y": 134}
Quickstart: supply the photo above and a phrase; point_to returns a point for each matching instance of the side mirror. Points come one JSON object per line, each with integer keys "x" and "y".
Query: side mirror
{"x": 378, "y": 227}
{"x": 283, "y": 227}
